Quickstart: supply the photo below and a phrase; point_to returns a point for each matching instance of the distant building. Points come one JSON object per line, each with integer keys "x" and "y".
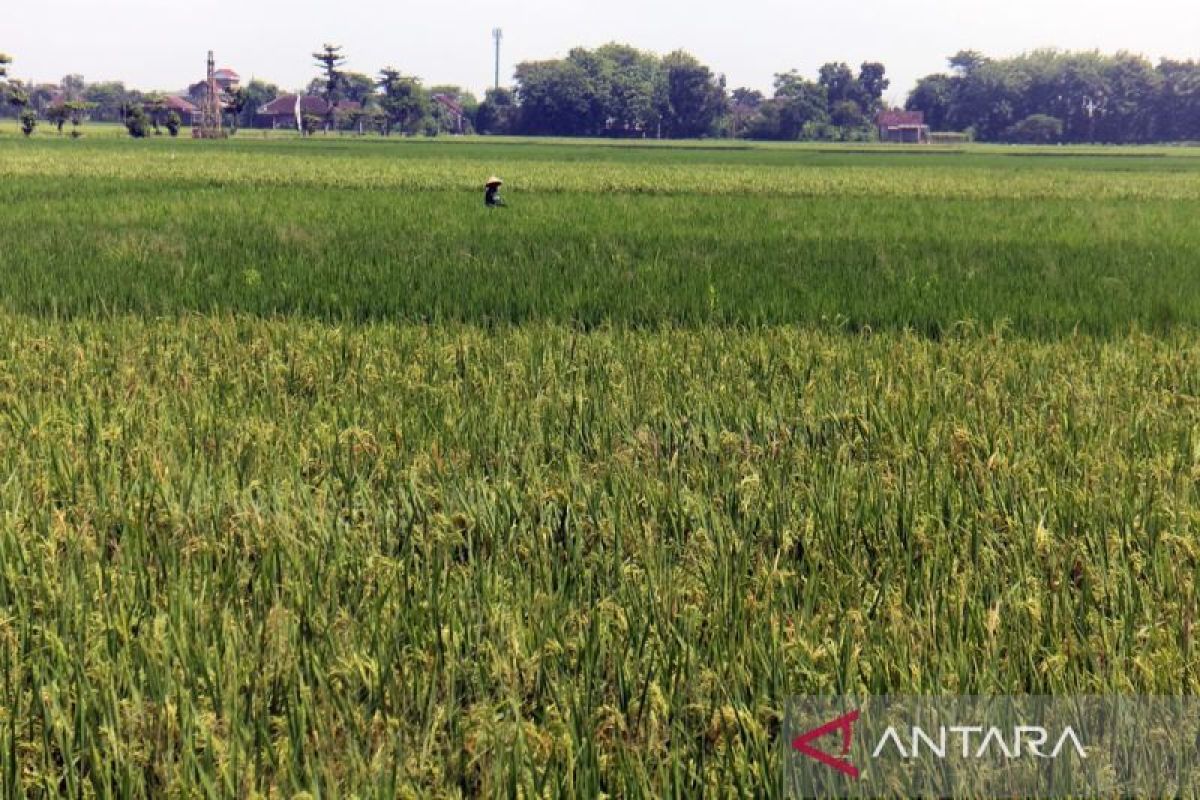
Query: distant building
{"x": 902, "y": 127}
{"x": 281, "y": 112}
{"x": 186, "y": 110}
{"x": 227, "y": 79}
{"x": 453, "y": 110}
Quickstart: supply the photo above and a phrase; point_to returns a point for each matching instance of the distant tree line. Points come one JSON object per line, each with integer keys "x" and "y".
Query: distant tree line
{"x": 1054, "y": 96}
{"x": 391, "y": 102}
{"x": 617, "y": 90}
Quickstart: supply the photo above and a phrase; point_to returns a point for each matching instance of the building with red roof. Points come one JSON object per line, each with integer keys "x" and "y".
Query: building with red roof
{"x": 281, "y": 112}
{"x": 905, "y": 127}
{"x": 227, "y": 79}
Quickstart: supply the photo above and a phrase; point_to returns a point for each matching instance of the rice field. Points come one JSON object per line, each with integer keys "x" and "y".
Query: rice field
{"x": 319, "y": 479}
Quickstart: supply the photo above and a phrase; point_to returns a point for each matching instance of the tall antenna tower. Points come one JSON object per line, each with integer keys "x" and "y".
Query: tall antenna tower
{"x": 498, "y": 35}
{"x": 210, "y": 107}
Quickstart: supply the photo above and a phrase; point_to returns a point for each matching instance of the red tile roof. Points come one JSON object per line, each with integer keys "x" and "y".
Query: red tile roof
{"x": 176, "y": 103}
{"x": 890, "y": 119}
{"x": 449, "y": 102}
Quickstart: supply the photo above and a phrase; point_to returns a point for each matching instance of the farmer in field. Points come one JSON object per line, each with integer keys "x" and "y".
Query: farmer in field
{"x": 491, "y": 194}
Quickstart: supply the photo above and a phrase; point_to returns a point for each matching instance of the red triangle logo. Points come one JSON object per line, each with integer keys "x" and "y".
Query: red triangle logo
{"x": 844, "y": 724}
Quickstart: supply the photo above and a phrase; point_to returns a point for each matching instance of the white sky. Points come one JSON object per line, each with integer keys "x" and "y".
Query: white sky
{"x": 162, "y": 44}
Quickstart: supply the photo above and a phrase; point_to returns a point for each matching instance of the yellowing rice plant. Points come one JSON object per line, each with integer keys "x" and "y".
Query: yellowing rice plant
{"x": 566, "y": 500}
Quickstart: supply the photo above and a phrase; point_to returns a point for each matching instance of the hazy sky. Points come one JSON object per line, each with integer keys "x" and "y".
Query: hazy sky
{"x": 161, "y": 44}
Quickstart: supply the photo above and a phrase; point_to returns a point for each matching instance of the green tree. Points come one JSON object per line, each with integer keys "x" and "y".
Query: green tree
{"x": 1130, "y": 104}
{"x": 18, "y": 98}
{"x": 1179, "y": 100}
{"x": 933, "y": 97}
{"x": 357, "y": 87}
{"x": 404, "y": 101}
{"x": 152, "y": 108}
{"x": 137, "y": 122}
{"x": 374, "y": 117}
{"x": 173, "y": 123}
{"x": 691, "y": 98}
{"x": 1095, "y": 97}
{"x": 871, "y": 84}
{"x": 838, "y": 81}
{"x": 41, "y": 96}
{"x": 5, "y": 60}
{"x": 965, "y": 62}
{"x": 555, "y": 98}
{"x": 497, "y": 113}
{"x": 29, "y": 121}
{"x": 1036, "y": 129}
{"x": 72, "y": 86}
{"x": 744, "y": 103}
{"x": 78, "y": 111}
{"x": 628, "y": 83}
{"x": 802, "y": 105}
{"x": 58, "y": 114}
{"x": 258, "y": 94}
{"x": 236, "y": 101}
{"x": 847, "y": 114}
{"x": 765, "y": 123}
{"x": 107, "y": 99}
{"x": 329, "y": 58}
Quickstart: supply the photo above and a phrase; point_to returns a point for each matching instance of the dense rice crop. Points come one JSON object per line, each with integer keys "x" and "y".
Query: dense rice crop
{"x": 244, "y": 554}
{"x": 346, "y": 230}
{"x": 342, "y": 533}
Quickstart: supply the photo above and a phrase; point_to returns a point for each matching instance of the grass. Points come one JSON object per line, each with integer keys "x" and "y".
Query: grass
{"x": 316, "y": 478}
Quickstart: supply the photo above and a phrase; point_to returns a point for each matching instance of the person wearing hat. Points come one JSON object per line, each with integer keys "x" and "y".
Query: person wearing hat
{"x": 491, "y": 194}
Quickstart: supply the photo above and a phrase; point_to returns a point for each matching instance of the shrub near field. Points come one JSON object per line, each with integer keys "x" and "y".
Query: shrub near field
{"x": 1051, "y": 241}
{"x": 243, "y": 554}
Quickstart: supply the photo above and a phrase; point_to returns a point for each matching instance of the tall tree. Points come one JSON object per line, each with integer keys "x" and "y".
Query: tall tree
{"x": 153, "y": 109}
{"x": 1179, "y": 103}
{"x": 1133, "y": 91}
{"x": 357, "y": 87}
{"x": 108, "y": 98}
{"x": 838, "y": 80}
{"x": 630, "y": 90}
{"x": 403, "y": 100}
{"x": 57, "y": 115}
{"x": 329, "y": 58}
{"x": 964, "y": 62}
{"x": 871, "y": 85}
{"x": 5, "y": 60}
{"x": 933, "y": 97}
{"x": 802, "y": 104}
{"x": 236, "y": 101}
{"x": 72, "y": 86}
{"x": 691, "y": 98}
{"x": 18, "y": 98}
{"x": 497, "y": 114}
{"x": 744, "y": 103}
{"x": 556, "y": 98}
{"x": 258, "y": 94}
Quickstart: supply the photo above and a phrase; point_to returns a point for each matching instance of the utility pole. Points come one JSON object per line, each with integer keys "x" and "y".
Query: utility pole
{"x": 497, "y": 34}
